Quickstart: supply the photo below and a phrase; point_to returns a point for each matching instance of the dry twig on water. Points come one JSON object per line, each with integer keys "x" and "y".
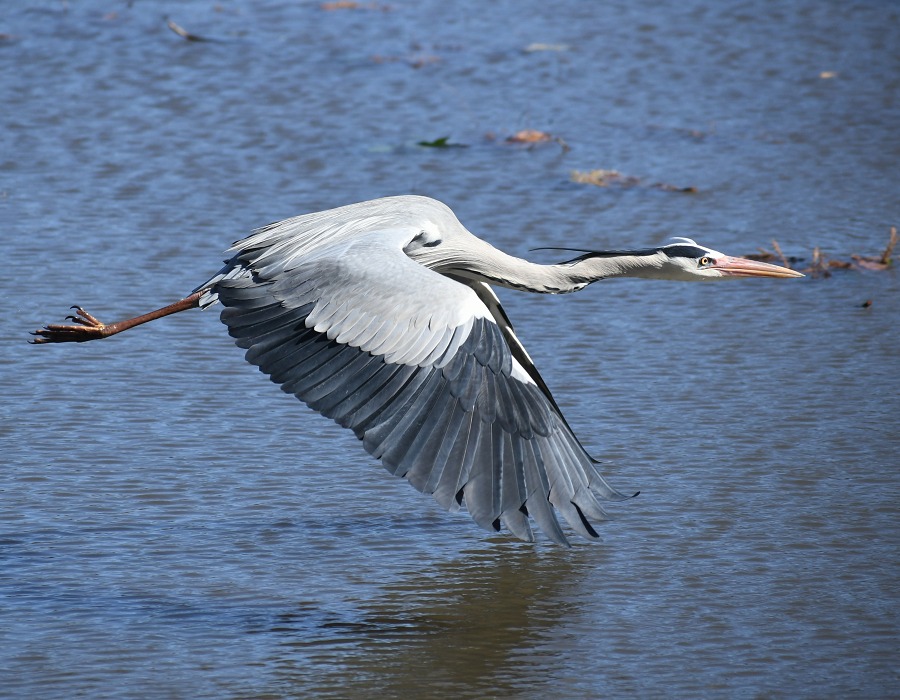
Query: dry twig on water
{"x": 819, "y": 266}
{"x": 886, "y": 255}
{"x": 182, "y": 32}
{"x": 784, "y": 260}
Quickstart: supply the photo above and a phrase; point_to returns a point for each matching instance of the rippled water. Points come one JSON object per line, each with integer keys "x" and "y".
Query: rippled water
{"x": 171, "y": 525}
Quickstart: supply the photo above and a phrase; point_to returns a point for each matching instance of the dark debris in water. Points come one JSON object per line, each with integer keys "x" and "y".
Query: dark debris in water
{"x": 821, "y": 266}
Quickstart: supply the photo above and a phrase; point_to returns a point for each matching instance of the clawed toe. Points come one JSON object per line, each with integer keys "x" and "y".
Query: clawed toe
{"x": 85, "y": 327}
{"x": 84, "y": 317}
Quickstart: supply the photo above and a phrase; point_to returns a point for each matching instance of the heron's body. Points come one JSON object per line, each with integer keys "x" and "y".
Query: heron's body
{"x": 380, "y": 315}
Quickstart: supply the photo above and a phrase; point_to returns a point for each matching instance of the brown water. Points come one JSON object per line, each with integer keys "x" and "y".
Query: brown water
{"x": 171, "y": 525}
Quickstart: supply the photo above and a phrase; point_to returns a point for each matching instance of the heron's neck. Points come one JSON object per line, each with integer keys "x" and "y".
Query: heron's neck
{"x": 516, "y": 273}
{"x": 647, "y": 264}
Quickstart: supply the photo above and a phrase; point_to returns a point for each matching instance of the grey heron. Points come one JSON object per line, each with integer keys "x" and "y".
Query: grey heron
{"x": 380, "y": 315}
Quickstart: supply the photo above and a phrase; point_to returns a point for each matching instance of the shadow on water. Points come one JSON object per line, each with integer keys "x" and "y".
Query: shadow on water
{"x": 460, "y": 625}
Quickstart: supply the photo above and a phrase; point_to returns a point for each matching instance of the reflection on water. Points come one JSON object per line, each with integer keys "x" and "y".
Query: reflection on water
{"x": 468, "y": 623}
{"x": 171, "y": 525}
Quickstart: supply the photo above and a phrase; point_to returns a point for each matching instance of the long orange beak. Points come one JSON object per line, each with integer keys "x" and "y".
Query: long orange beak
{"x": 742, "y": 267}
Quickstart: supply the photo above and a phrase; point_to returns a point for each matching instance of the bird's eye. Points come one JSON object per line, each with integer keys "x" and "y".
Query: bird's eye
{"x": 704, "y": 261}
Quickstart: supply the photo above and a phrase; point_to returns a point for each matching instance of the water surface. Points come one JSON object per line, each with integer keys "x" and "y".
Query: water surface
{"x": 171, "y": 525}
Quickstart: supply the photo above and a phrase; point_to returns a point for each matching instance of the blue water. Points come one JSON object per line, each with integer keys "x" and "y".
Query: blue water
{"x": 172, "y": 525}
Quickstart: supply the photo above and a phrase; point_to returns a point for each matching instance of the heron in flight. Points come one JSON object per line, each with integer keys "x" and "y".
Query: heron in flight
{"x": 381, "y": 316}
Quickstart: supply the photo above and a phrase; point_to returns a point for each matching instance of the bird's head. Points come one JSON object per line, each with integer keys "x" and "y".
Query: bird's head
{"x": 685, "y": 259}
{"x": 681, "y": 259}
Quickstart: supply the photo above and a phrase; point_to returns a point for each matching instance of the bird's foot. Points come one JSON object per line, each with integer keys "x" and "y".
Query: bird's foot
{"x": 83, "y": 327}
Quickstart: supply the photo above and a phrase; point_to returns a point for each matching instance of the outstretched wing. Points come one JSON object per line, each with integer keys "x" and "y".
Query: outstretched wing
{"x": 417, "y": 366}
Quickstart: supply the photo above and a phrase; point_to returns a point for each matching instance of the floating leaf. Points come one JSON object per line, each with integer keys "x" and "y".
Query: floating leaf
{"x": 883, "y": 261}
{"x": 603, "y": 178}
{"x": 533, "y": 136}
{"x": 864, "y": 263}
{"x": 529, "y": 136}
{"x": 442, "y": 142}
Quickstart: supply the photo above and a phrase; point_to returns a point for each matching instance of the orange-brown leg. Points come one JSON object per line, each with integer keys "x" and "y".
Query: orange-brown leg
{"x": 85, "y": 327}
